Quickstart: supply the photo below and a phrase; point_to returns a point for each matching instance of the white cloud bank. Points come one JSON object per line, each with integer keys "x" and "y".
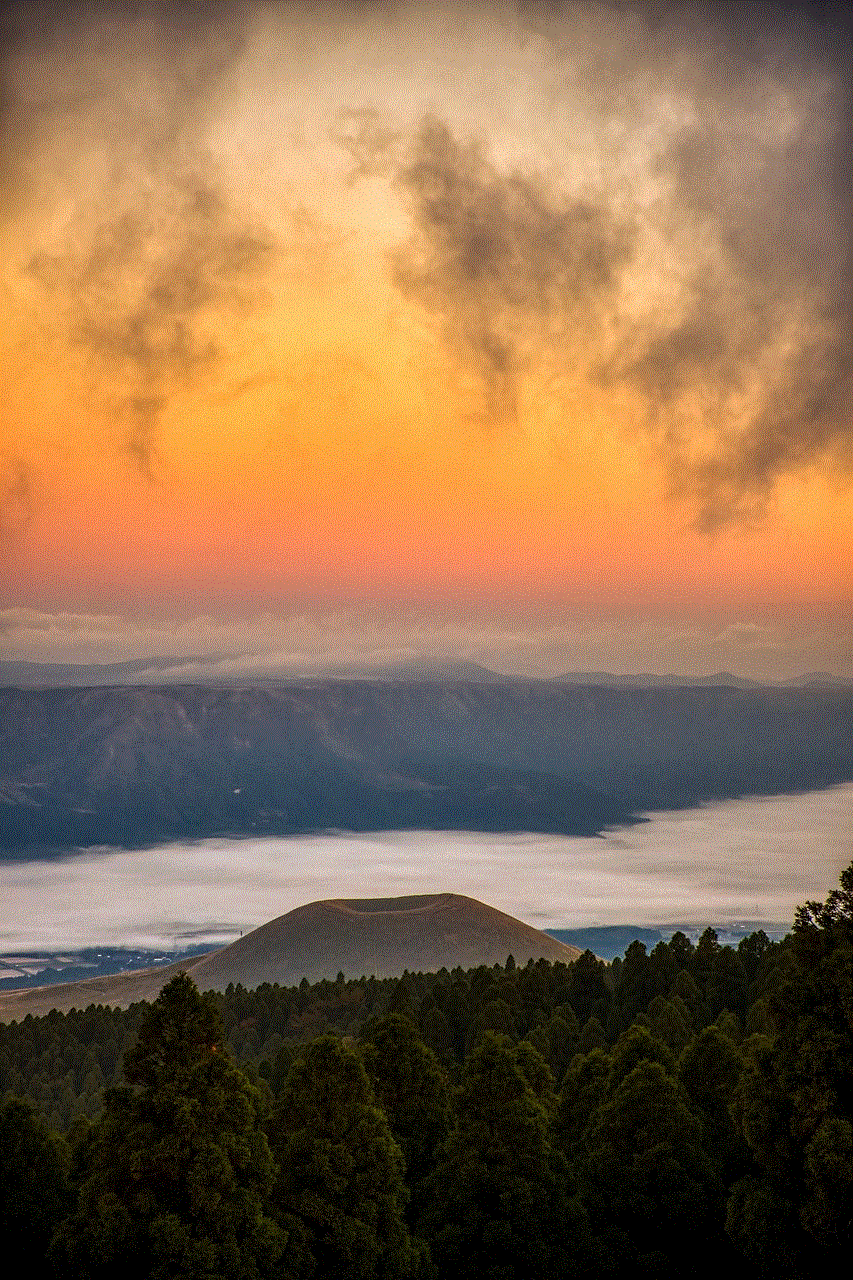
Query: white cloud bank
{"x": 751, "y": 860}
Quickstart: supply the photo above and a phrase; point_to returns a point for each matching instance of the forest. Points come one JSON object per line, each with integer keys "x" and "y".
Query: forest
{"x": 666, "y": 1112}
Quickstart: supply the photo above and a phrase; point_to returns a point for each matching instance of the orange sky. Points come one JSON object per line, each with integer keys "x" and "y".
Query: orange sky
{"x": 341, "y": 328}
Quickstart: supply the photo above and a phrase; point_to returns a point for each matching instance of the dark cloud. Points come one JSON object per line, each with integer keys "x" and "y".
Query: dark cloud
{"x": 16, "y": 500}
{"x": 765, "y": 342}
{"x": 158, "y": 247}
{"x": 503, "y": 260}
{"x": 141, "y": 282}
{"x": 366, "y": 137}
{"x": 64, "y": 65}
{"x": 746, "y": 370}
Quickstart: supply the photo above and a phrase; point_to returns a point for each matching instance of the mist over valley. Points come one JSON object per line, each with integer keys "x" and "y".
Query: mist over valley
{"x": 737, "y": 865}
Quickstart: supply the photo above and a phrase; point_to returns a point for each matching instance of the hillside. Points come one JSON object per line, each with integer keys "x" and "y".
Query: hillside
{"x": 381, "y": 936}
{"x": 137, "y": 765}
{"x": 362, "y": 936}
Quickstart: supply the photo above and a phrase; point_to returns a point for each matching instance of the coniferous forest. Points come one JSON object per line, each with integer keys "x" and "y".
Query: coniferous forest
{"x": 662, "y": 1115}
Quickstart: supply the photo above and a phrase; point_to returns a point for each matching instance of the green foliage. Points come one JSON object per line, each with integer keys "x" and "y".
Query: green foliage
{"x": 588, "y": 992}
{"x": 526, "y": 1120}
{"x": 834, "y": 915}
{"x": 636, "y": 986}
{"x": 411, "y": 1088}
{"x": 531, "y": 1062}
{"x": 341, "y": 1193}
{"x": 585, "y": 1089}
{"x": 794, "y": 1101}
{"x": 34, "y": 1177}
{"x": 646, "y": 1167}
{"x": 179, "y": 1169}
{"x": 670, "y": 1022}
{"x": 763, "y": 1225}
{"x": 592, "y": 1036}
{"x": 709, "y": 1070}
{"x": 498, "y": 1201}
{"x": 563, "y": 1035}
{"x": 634, "y": 1046}
{"x": 727, "y": 983}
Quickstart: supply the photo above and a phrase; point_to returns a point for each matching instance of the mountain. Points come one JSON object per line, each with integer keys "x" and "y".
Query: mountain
{"x": 608, "y": 941}
{"x": 57, "y": 675}
{"x": 222, "y": 670}
{"x": 649, "y": 680}
{"x": 817, "y": 679}
{"x": 227, "y": 671}
{"x": 134, "y": 765}
{"x": 381, "y": 936}
{"x": 415, "y": 670}
{"x": 717, "y": 680}
{"x": 356, "y": 937}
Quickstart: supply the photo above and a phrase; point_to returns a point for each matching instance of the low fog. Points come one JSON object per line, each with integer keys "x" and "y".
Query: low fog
{"x": 743, "y": 861}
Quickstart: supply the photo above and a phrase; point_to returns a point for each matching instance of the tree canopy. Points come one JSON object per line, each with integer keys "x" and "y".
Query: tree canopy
{"x": 341, "y": 1193}
{"x": 499, "y": 1123}
{"x": 180, "y": 1172}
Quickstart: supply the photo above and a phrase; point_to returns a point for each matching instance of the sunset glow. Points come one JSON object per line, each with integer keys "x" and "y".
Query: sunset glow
{"x": 519, "y": 334}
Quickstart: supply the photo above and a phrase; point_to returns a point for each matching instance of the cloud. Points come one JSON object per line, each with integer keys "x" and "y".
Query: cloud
{"x": 367, "y": 139}
{"x": 177, "y": 254}
{"x": 706, "y": 263}
{"x": 151, "y": 262}
{"x": 663, "y": 207}
{"x": 767, "y": 646}
{"x": 16, "y": 500}
{"x": 755, "y": 363}
{"x": 748, "y": 373}
{"x": 507, "y": 263}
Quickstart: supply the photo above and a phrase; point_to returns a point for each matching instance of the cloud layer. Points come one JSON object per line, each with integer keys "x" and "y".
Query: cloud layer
{"x": 686, "y": 143}
{"x": 742, "y": 352}
{"x": 763, "y": 645}
{"x": 157, "y": 244}
{"x": 513, "y": 268}
{"x": 751, "y": 860}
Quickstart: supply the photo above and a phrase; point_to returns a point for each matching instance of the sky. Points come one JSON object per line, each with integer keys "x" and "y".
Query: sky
{"x": 518, "y": 333}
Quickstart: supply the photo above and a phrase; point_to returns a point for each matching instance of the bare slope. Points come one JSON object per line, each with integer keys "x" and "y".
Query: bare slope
{"x": 117, "y": 989}
{"x": 381, "y": 936}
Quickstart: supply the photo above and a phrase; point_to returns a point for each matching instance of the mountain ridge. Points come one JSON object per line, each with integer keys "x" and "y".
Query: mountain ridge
{"x": 139, "y": 765}
{"x": 21, "y": 674}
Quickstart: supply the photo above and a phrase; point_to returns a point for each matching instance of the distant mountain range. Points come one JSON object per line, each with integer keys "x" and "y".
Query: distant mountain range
{"x": 135, "y": 765}
{"x": 35, "y": 675}
{"x": 222, "y": 670}
{"x": 719, "y": 680}
{"x": 357, "y": 937}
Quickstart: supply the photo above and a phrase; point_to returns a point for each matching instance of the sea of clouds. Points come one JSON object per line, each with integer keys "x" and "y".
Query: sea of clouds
{"x": 731, "y": 863}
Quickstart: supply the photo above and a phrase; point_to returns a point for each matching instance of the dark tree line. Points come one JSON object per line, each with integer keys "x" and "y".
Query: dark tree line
{"x": 498, "y": 1123}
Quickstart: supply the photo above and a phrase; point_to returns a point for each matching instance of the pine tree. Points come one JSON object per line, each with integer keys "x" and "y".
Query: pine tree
{"x": 709, "y": 1070}
{"x": 646, "y": 1170}
{"x": 341, "y": 1194}
{"x": 179, "y": 1168}
{"x": 499, "y": 1206}
{"x": 34, "y": 1179}
{"x": 794, "y": 1102}
{"x": 411, "y": 1088}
